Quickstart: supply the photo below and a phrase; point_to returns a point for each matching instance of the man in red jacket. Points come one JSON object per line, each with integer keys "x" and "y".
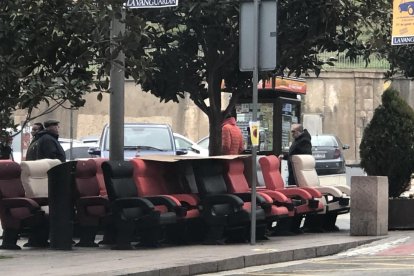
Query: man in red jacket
{"x": 231, "y": 136}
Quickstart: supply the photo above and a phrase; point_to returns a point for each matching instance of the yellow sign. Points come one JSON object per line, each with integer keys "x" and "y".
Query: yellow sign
{"x": 402, "y": 22}
{"x": 254, "y": 133}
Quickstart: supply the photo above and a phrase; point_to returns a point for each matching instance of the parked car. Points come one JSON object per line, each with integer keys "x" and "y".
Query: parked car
{"x": 203, "y": 145}
{"x": 327, "y": 150}
{"x": 140, "y": 139}
{"x": 74, "y": 150}
{"x": 184, "y": 143}
{"x": 92, "y": 141}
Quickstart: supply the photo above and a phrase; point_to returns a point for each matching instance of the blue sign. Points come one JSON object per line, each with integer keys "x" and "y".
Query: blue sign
{"x": 140, "y": 4}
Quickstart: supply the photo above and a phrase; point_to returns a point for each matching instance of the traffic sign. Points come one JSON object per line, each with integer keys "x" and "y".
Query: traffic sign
{"x": 140, "y": 4}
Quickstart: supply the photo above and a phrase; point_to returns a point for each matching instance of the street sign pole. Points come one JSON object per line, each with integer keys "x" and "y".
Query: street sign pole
{"x": 254, "y": 118}
{"x": 117, "y": 94}
{"x": 117, "y": 79}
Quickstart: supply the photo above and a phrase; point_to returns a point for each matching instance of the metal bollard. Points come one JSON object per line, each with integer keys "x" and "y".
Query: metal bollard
{"x": 61, "y": 181}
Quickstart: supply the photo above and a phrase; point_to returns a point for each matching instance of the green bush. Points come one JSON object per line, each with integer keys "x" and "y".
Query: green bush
{"x": 387, "y": 146}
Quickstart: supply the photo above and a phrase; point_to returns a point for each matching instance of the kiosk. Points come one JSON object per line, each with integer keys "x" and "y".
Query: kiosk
{"x": 279, "y": 106}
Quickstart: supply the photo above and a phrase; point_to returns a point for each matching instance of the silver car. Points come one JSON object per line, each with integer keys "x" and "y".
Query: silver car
{"x": 327, "y": 150}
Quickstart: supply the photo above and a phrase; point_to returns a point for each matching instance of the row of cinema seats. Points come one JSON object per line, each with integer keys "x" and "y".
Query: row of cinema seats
{"x": 150, "y": 201}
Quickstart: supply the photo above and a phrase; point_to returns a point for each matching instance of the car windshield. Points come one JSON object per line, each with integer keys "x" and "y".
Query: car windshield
{"x": 151, "y": 138}
{"x": 204, "y": 143}
{"x": 324, "y": 141}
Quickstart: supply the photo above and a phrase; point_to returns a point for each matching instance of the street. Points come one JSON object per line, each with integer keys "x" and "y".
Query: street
{"x": 390, "y": 256}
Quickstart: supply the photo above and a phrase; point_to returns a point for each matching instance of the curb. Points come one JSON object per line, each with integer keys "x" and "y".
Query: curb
{"x": 266, "y": 258}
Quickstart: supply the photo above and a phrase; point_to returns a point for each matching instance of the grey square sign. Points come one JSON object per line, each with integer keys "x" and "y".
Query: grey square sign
{"x": 267, "y": 35}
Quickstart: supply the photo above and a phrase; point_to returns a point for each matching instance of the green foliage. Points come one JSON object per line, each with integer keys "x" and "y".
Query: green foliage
{"x": 195, "y": 46}
{"x": 54, "y": 52}
{"x": 387, "y": 146}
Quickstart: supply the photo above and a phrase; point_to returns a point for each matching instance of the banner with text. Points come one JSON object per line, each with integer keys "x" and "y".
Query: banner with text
{"x": 402, "y": 22}
{"x": 140, "y": 4}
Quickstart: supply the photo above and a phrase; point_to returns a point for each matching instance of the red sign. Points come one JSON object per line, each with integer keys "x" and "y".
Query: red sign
{"x": 285, "y": 84}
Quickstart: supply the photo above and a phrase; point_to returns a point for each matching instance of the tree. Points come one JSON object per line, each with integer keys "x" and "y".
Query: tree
{"x": 55, "y": 52}
{"x": 194, "y": 47}
{"x": 387, "y": 146}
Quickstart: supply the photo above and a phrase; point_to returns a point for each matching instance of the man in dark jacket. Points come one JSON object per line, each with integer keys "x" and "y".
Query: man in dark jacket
{"x": 45, "y": 143}
{"x": 301, "y": 145}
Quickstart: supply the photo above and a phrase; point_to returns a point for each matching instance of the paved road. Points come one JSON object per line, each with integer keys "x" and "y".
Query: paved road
{"x": 386, "y": 257}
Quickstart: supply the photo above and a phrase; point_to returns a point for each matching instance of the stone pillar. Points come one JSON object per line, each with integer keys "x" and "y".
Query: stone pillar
{"x": 369, "y": 205}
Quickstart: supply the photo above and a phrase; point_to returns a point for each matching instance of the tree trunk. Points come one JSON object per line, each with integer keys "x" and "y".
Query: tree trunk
{"x": 215, "y": 136}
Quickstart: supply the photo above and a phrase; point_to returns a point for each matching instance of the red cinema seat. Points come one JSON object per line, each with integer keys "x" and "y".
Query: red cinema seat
{"x": 237, "y": 184}
{"x": 132, "y": 214}
{"x": 99, "y": 175}
{"x": 305, "y": 200}
{"x": 227, "y": 215}
{"x": 92, "y": 208}
{"x": 150, "y": 178}
{"x": 19, "y": 213}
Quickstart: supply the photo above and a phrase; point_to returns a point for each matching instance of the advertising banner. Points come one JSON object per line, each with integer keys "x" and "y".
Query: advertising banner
{"x": 402, "y": 22}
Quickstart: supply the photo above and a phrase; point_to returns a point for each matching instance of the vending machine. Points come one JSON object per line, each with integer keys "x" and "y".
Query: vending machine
{"x": 279, "y": 106}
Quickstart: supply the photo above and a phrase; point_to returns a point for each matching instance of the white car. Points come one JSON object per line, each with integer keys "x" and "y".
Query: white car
{"x": 184, "y": 143}
{"x": 74, "y": 150}
{"x": 203, "y": 145}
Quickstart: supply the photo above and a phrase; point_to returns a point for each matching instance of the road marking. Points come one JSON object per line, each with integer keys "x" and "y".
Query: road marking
{"x": 373, "y": 249}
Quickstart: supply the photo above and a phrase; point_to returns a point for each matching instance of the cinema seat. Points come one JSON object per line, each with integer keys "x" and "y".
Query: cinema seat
{"x": 19, "y": 213}
{"x": 305, "y": 200}
{"x": 156, "y": 179}
{"x": 227, "y": 216}
{"x": 237, "y": 184}
{"x": 131, "y": 213}
{"x": 92, "y": 209}
{"x": 336, "y": 201}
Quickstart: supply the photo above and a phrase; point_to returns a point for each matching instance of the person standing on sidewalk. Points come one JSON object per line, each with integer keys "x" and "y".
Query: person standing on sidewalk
{"x": 46, "y": 144}
{"x": 301, "y": 145}
{"x": 31, "y": 153}
{"x": 6, "y": 151}
{"x": 231, "y": 136}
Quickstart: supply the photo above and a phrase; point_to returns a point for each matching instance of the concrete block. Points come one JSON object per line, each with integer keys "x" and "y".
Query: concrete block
{"x": 369, "y": 206}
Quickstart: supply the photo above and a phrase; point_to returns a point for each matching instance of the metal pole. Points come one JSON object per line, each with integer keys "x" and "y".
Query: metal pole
{"x": 71, "y": 134}
{"x": 117, "y": 89}
{"x": 254, "y": 118}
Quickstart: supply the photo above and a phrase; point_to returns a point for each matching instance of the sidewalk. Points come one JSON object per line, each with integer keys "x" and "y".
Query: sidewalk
{"x": 179, "y": 260}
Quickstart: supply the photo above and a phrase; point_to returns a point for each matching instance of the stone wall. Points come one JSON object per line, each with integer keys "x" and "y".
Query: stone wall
{"x": 344, "y": 99}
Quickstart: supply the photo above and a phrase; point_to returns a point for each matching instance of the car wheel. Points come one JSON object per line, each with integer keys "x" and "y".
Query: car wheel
{"x": 410, "y": 10}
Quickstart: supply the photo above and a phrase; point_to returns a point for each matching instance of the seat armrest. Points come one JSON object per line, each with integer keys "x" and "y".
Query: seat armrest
{"x": 42, "y": 201}
{"x": 291, "y": 192}
{"x": 275, "y": 195}
{"x": 247, "y": 197}
{"x": 17, "y": 202}
{"x": 131, "y": 202}
{"x": 345, "y": 189}
{"x": 92, "y": 201}
{"x": 168, "y": 201}
{"x": 189, "y": 199}
{"x": 237, "y": 202}
{"x": 314, "y": 192}
{"x": 329, "y": 190}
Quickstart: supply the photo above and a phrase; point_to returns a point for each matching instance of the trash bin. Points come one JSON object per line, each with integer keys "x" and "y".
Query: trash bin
{"x": 61, "y": 181}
